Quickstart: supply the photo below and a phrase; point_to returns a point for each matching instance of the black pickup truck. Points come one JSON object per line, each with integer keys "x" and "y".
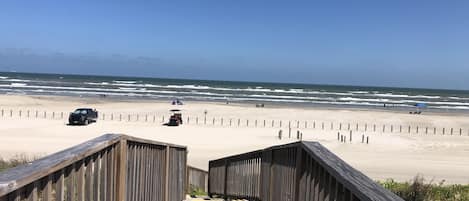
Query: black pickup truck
{"x": 83, "y": 116}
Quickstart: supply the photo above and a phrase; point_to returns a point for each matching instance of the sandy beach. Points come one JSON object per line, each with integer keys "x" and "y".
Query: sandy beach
{"x": 394, "y": 153}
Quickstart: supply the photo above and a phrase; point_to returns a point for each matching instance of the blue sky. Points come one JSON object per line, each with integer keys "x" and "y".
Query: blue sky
{"x": 380, "y": 43}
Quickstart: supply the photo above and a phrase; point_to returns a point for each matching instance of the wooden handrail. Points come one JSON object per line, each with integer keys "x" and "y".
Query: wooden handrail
{"x": 109, "y": 167}
{"x": 295, "y": 171}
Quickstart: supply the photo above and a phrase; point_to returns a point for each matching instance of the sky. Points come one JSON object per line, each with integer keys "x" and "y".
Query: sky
{"x": 422, "y": 44}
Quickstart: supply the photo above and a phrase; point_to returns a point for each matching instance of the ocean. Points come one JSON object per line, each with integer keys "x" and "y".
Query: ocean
{"x": 230, "y": 91}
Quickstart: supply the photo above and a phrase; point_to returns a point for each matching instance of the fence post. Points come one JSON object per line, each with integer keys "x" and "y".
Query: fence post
{"x": 417, "y": 129}
{"x": 314, "y": 124}
{"x": 322, "y": 125}
{"x": 340, "y": 126}
{"x": 146, "y": 117}
{"x": 460, "y": 131}
{"x": 121, "y": 169}
{"x": 374, "y": 127}
{"x": 221, "y": 121}
{"x": 280, "y": 123}
{"x": 213, "y": 121}
{"x": 434, "y": 130}
{"x": 306, "y": 124}
{"x": 332, "y": 125}
{"x": 366, "y": 127}
{"x": 45, "y": 114}
{"x": 61, "y": 114}
{"x": 348, "y": 126}
{"x": 2, "y": 112}
{"x": 297, "y": 124}
{"x": 338, "y": 136}
{"x": 392, "y": 128}
{"x": 187, "y": 119}
{"x": 384, "y": 128}
{"x": 451, "y": 131}
{"x": 350, "y": 136}
{"x": 443, "y": 131}
{"x": 28, "y": 113}
{"x": 272, "y": 123}
{"x": 409, "y": 129}
{"x": 264, "y": 123}
{"x": 11, "y": 113}
{"x": 255, "y": 122}
{"x": 357, "y": 126}
{"x": 20, "y": 112}
{"x": 400, "y": 128}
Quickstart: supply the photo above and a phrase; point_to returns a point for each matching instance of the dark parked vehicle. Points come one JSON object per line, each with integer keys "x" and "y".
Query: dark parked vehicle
{"x": 176, "y": 118}
{"x": 83, "y": 116}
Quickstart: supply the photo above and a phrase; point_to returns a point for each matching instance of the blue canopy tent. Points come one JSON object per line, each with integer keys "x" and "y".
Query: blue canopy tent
{"x": 419, "y": 107}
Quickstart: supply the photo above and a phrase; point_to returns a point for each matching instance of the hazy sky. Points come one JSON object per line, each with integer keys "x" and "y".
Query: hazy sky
{"x": 385, "y": 43}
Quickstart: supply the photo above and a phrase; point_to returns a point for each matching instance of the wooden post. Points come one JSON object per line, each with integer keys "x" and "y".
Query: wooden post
{"x": 417, "y": 130}
{"x": 272, "y": 123}
{"x": 28, "y": 114}
{"x": 451, "y": 131}
{"x": 280, "y": 123}
{"x": 363, "y": 138}
{"x": 409, "y": 129}
{"x": 187, "y": 120}
{"x": 2, "y": 112}
{"x": 221, "y": 121}
{"x": 434, "y": 130}
{"x": 239, "y": 122}
{"x": 366, "y": 127}
{"x": 338, "y": 136}
{"x": 322, "y": 125}
{"x": 255, "y": 122}
{"x": 460, "y": 131}
{"x": 443, "y": 131}
{"x": 426, "y": 130}
{"x": 384, "y": 128}
{"x": 121, "y": 170}
{"x": 348, "y": 126}
{"x": 400, "y": 128}
{"x": 297, "y": 124}
{"x": 197, "y": 120}
{"x": 120, "y": 117}
{"x": 61, "y": 114}
{"x": 128, "y": 117}
{"x": 264, "y": 123}
{"x": 374, "y": 127}
{"x": 213, "y": 121}
{"x": 306, "y": 124}
{"x": 45, "y": 114}
{"x": 247, "y": 123}
{"x": 314, "y": 124}
{"x": 332, "y": 125}
{"x": 350, "y": 136}
{"x": 146, "y": 118}
{"x": 357, "y": 127}
{"x": 11, "y": 113}
{"x": 20, "y": 113}
{"x": 392, "y": 128}
{"x": 367, "y": 139}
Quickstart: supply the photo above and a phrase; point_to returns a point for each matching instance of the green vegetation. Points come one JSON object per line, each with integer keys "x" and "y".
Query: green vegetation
{"x": 419, "y": 190}
{"x": 15, "y": 161}
{"x": 195, "y": 191}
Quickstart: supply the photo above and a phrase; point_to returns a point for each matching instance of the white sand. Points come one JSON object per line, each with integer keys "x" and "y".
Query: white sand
{"x": 389, "y": 155}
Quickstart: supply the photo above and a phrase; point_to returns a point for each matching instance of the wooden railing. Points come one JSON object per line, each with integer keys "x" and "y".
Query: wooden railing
{"x": 197, "y": 179}
{"x": 111, "y": 167}
{"x": 301, "y": 171}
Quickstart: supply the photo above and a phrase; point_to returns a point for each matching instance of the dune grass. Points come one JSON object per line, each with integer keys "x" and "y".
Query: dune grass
{"x": 419, "y": 190}
{"x": 14, "y": 161}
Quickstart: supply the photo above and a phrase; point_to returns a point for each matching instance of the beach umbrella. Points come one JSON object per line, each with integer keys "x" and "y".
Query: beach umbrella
{"x": 421, "y": 105}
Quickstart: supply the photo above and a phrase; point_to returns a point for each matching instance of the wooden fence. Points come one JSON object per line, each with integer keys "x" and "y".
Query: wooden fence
{"x": 368, "y": 127}
{"x": 301, "y": 171}
{"x": 111, "y": 167}
{"x": 197, "y": 179}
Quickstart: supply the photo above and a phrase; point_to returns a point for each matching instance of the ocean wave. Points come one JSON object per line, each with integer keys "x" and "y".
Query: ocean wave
{"x": 18, "y": 84}
{"x": 125, "y": 81}
{"x": 2, "y": 78}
